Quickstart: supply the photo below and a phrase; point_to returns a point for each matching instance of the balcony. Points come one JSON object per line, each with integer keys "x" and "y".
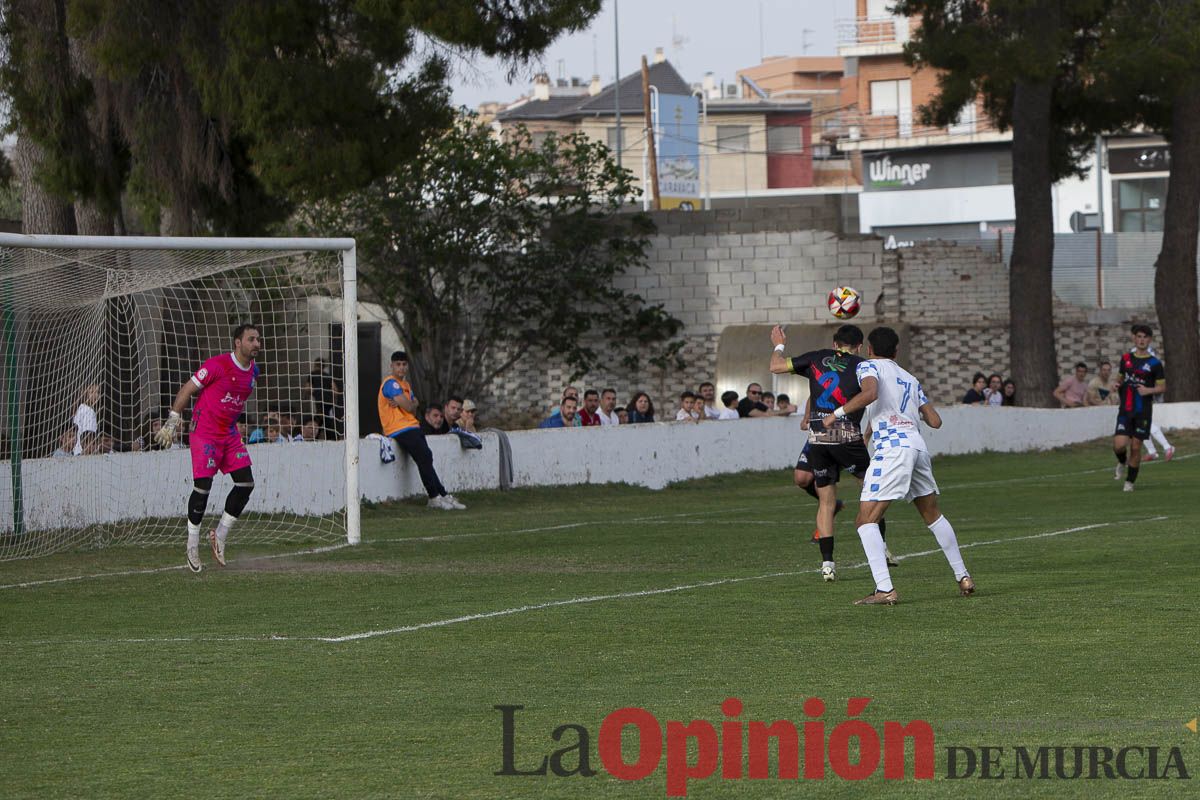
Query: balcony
{"x": 873, "y": 36}
{"x": 857, "y": 131}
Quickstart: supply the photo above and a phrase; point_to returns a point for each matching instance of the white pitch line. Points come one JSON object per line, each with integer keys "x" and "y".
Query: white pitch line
{"x": 506, "y": 612}
{"x": 154, "y": 570}
{"x": 1024, "y": 479}
{"x": 330, "y": 548}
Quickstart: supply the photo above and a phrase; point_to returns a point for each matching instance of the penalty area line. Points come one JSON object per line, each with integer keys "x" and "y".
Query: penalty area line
{"x": 573, "y": 601}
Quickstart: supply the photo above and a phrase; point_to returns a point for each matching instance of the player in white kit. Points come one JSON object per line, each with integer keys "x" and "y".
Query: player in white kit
{"x": 900, "y": 464}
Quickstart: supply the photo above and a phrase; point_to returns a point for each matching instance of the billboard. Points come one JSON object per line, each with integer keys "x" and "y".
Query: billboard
{"x": 677, "y": 125}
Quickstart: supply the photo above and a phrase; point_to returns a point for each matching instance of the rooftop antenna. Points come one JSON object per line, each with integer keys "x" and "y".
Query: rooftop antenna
{"x": 761, "y": 50}
{"x": 677, "y": 41}
{"x": 804, "y": 45}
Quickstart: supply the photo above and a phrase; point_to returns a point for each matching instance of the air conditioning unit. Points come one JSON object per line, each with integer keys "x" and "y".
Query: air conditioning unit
{"x": 731, "y": 90}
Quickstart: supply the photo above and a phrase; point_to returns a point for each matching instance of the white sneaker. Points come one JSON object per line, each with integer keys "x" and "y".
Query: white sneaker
{"x": 440, "y": 503}
{"x": 218, "y": 548}
{"x": 453, "y": 501}
{"x": 828, "y": 572}
{"x": 1119, "y": 472}
{"x": 193, "y": 558}
{"x": 1128, "y": 486}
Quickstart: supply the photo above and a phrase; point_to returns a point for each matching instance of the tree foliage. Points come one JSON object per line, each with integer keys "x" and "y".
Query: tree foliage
{"x": 1028, "y": 60}
{"x": 220, "y": 115}
{"x": 484, "y": 251}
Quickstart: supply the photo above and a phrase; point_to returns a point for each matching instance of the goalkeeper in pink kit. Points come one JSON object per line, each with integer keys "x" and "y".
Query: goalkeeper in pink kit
{"x": 223, "y": 383}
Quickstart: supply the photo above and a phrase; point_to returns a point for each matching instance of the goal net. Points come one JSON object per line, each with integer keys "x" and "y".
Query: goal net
{"x": 97, "y": 334}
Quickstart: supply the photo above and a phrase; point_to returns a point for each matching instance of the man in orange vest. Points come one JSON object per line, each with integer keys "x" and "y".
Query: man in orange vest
{"x": 398, "y": 416}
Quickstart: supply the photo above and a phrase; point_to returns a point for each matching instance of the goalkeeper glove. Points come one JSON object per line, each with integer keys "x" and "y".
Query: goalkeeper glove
{"x": 166, "y": 434}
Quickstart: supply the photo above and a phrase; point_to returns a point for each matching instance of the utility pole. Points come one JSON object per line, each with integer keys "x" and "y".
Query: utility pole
{"x": 650, "y": 148}
{"x": 617, "y": 82}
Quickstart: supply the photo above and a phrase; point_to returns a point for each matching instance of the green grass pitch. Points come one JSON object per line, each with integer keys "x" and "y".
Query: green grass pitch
{"x": 224, "y": 684}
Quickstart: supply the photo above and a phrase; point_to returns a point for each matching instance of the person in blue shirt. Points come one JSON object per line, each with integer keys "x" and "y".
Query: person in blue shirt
{"x": 564, "y": 417}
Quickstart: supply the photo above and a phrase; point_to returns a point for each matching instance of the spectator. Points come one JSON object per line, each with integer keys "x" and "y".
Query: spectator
{"x": 397, "y": 409}
{"x": 974, "y": 395}
{"x": 468, "y": 416}
{"x": 85, "y": 419}
{"x": 708, "y": 405}
{"x": 1100, "y": 388}
{"x": 434, "y": 423}
{"x": 589, "y": 415}
{"x": 275, "y": 435}
{"x": 994, "y": 393}
{"x": 641, "y": 408}
{"x": 768, "y": 400}
{"x": 564, "y": 417}
{"x": 730, "y": 401}
{"x": 687, "y": 408}
{"x": 1072, "y": 392}
{"x": 66, "y": 443}
{"x": 287, "y": 426}
{"x": 452, "y": 412}
{"x": 569, "y": 391}
{"x": 608, "y": 412}
{"x": 622, "y": 416}
{"x": 752, "y": 406}
{"x": 784, "y": 403}
{"x": 320, "y": 386}
{"x": 1010, "y": 392}
{"x": 310, "y": 431}
{"x": 259, "y": 434}
{"x": 242, "y": 429}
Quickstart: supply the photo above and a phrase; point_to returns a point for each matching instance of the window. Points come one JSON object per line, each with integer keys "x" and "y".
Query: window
{"x": 539, "y": 138}
{"x": 893, "y": 99}
{"x": 785, "y": 139}
{"x": 612, "y": 139}
{"x": 733, "y": 138}
{"x": 1140, "y": 205}
{"x": 965, "y": 123}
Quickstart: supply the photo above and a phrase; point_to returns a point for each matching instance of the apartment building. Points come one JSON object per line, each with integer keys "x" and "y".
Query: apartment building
{"x": 749, "y": 146}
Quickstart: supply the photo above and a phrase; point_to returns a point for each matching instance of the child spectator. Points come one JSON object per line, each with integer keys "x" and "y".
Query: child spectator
{"x": 974, "y": 395}
{"x": 687, "y": 408}
{"x": 730, "y": 401}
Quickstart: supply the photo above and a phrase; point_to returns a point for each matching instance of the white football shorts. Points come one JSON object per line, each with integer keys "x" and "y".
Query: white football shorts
{"x": 899, "y": 473}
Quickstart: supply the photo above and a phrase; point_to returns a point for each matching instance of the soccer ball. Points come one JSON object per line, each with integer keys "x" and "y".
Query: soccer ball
{"x": 844, "y": 302}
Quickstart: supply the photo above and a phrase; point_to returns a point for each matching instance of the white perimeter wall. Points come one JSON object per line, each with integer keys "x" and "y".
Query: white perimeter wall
{"x": 309, "y": 478}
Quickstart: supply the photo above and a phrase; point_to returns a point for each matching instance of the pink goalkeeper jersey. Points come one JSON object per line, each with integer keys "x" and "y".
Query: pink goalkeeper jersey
{"x": 224, "y": 386}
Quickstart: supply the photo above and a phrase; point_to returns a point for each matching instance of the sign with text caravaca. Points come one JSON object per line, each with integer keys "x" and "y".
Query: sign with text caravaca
{"x": 678, "y": 148}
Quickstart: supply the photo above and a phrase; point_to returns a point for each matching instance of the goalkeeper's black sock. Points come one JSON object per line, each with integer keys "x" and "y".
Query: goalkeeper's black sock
{"x": 1120, "y": 456}
{"x": 1131, "y": 475}
{"x": 812, "y": 490}
{"x": 826, "y": 546}
{"x": 883, "y": 529}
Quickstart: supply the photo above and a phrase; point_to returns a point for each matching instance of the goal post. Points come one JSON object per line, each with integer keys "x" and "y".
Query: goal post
{"x": 98, "y": 334}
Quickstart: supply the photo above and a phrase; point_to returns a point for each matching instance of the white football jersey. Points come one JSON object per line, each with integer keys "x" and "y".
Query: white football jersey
{"x": 892, "y": 418}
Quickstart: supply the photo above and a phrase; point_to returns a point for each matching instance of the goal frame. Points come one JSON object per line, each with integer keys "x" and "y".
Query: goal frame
{"x": 344, "y": 246}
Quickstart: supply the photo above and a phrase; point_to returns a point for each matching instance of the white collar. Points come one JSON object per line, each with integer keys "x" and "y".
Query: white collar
{"x": 239, "y": 364}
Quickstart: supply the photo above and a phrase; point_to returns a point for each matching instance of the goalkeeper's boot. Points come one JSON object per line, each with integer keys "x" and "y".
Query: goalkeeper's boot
{"x": 828, "y": 572}
{"x": 878, "y": 598}
{"x": 218, "y": 547}
{"x": 193, "y": 558}
{"x": 966, "y": 586}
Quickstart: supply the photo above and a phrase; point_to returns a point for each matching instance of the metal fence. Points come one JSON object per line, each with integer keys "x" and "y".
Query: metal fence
{"x": 1092, "y": 270}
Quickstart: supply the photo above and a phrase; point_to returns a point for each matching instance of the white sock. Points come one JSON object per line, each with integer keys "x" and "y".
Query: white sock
{"x": 1157, "y": 433}
{"x": 827, "y": 564}
{"x": 943, "y": 531}
{"x": 872, "y": 543}
{"x": 224, "y": 525}
{"x": 193, "y": 535}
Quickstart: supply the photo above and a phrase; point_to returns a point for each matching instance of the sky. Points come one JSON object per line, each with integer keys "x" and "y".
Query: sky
{"x": 718, "y": 36}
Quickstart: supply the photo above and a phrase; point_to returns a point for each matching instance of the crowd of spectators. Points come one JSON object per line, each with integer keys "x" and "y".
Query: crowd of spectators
{"x": 599, "y": 407}
{"x": 991, "y": 390}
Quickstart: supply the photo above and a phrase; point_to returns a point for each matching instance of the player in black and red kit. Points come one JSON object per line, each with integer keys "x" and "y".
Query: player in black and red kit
{"x": 1142, "y": 376}
{"x": 832, "y": 382}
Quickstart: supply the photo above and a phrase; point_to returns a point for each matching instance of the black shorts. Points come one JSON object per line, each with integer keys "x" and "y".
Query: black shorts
{"x": 1135, "y": 425}
{"x": 802, "y": 462}
{"x": 828, "y": 460}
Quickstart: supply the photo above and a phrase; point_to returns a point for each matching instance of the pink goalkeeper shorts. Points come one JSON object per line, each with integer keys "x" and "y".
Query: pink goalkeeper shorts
{"x": 212, "y": 454}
